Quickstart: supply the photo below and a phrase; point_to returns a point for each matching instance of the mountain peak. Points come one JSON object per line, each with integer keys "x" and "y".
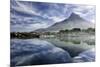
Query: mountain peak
{"x": 73, "y": 17}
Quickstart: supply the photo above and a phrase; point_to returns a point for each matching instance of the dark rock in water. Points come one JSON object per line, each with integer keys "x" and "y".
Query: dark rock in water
{"x": 74, "y": 50}
{"x": 36, "y": 52}
{"x": 86, "y": 56}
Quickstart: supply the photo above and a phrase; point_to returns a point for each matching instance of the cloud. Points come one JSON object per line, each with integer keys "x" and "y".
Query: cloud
{"x": 57, "y": 19}
{"x": 29, "y": 16}
{"x": 21, "y": 7}
{"x": 28, "y": 27}
{"x": 85, "y": 11}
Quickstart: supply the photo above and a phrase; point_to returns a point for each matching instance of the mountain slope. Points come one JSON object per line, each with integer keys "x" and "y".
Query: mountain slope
{"x": 74, "y": 21}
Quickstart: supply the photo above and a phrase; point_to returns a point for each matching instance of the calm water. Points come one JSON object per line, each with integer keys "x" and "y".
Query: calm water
{"x": 52, "y": 50}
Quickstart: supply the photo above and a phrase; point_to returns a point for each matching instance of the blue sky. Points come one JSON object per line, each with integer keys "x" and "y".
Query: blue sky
{"x": 29, "y": 16}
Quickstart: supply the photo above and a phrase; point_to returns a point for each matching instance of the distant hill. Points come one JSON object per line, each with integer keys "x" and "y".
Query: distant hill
{"x": 74, "y": 21}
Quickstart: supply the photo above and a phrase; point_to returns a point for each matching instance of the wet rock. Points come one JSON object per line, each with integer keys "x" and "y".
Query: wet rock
{"x": 36, "y": 52}
{"x": 86, "y": 56}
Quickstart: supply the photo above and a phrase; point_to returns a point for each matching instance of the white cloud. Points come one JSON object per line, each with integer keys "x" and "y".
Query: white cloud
{"x": 57, "y": 19}
{"x": 53, "y": 14}
{"x": 39, "y": 25}
{"x": 85, "y": 11}
{"x": 28, "y": 9}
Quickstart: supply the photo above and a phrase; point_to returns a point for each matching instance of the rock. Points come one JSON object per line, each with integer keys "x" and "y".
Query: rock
{"x": 86, "y": 56}
{"x": 36, "y": 52}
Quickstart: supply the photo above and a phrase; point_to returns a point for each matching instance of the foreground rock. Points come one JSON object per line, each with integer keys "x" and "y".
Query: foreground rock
{"x": 36, "y": 52}
{"x": 86, "y": 56}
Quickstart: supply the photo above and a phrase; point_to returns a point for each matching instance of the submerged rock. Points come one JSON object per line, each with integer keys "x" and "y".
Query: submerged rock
{"x": 86, "y": 56}
{"x": 36, "y": 52}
